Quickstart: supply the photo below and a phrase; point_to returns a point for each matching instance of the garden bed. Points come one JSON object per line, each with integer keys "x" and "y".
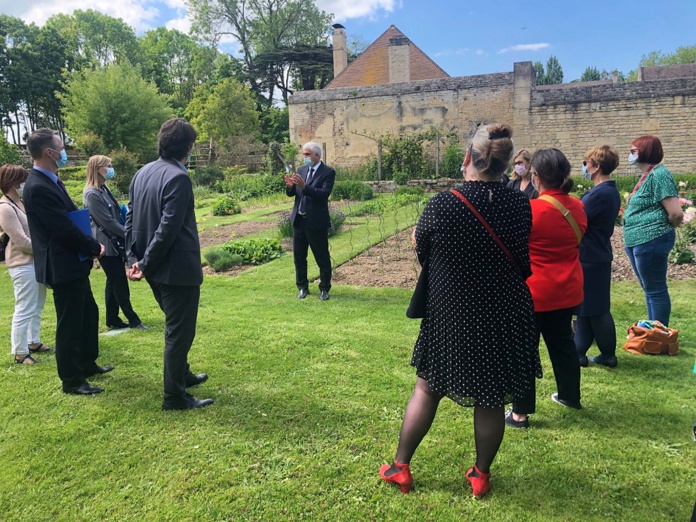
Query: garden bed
{"x": 393, "y": 263}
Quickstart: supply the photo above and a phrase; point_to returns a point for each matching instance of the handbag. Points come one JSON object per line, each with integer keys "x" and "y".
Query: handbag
{"x": 419, "y": 299}
{"x": 652, "y": 338}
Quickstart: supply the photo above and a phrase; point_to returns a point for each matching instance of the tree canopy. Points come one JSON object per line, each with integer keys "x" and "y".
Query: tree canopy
{"x": 116, "y": 104}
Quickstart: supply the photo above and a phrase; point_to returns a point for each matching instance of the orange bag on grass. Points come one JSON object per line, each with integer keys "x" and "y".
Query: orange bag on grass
{"x": 652, "y": 338}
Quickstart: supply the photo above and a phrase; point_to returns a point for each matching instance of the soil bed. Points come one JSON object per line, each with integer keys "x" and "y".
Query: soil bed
{"x": 393, "y": 263}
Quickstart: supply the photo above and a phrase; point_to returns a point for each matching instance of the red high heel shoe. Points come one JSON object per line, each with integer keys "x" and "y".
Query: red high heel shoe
{"x": 403, "y": 478}
{"x": 481, "y": 484}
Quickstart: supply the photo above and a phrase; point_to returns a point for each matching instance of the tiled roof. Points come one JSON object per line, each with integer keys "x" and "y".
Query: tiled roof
{"x": 372, "y": 66}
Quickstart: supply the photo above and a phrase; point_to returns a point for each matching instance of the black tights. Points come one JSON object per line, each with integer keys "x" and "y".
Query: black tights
{"x": 489, "y": 427}
{"x": 598, "y": 328}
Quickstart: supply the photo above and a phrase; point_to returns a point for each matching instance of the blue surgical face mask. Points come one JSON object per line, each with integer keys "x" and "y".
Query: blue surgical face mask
{"x": 110, "y": 173}
{"x": 63, "y": 161}
{"x": 586, "y": 174}
{"x": 632, "y": 159}
{"x": 307, "y": 162}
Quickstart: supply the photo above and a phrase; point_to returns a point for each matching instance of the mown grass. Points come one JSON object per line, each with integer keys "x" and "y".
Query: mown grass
{"x": 309, "y": 400}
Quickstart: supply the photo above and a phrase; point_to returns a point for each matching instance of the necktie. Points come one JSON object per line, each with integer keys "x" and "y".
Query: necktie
{"x": 62, "y": 186}
{"x": 303, "y": 203}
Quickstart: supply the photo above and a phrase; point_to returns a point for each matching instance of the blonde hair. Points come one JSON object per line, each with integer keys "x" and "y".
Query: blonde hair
{"x": 93, "y": 166}
{"x": 491, "y": 149}
{"x": 605, "y": 157}
{"x": 526, "y": 156}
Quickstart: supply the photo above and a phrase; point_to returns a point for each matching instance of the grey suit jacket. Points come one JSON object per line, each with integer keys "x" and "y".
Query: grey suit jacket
{"x": 104, "y": 211}
{"x": 161, "y": 232}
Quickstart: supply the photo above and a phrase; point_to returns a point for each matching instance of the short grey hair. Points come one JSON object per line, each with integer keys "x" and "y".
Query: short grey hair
{"x": 314, "y": 147}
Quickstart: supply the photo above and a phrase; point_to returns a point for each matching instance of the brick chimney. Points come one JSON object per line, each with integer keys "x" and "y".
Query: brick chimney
{"x": 340, "y": 49}
{"x": 399, "y": 60}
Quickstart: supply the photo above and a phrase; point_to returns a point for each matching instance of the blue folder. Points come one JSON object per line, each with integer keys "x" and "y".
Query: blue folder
{"x": 82, "y": 220}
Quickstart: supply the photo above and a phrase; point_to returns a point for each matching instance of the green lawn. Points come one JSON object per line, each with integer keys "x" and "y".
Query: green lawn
{"x": 309, "y": 399}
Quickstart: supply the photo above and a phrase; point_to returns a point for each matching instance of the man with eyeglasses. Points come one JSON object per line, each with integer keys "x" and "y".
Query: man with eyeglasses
{"x": 311, "y": 185}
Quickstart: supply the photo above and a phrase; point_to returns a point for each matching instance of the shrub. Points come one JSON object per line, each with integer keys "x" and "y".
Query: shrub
{"x": 226, "y": 206}
{"x": 206, "y": 176}
{"x": 681, "y": 253}
{"x": 125, "y": 164}
{"x": 9, "y": 153}
{"x": 337, "y": 219}
{"x": 410, "y": 191}
{"x": 90, "y": 144}
{"x": 354, "y": 190}
{"x": 73, "y": 173}
{"x": 453, "y": 158}
{"x": 219, "y": 259}
{"x": 251, "y": 185}
{"x": 255, "y": 251}
{"x": 401, "y": 178}
{"x": 688, "y": 232}
{"x": 285, "y": 225}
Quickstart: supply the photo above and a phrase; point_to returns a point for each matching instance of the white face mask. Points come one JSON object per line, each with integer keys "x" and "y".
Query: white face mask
{"x": 632, "y": 159}
{"x": 20, "y": 190}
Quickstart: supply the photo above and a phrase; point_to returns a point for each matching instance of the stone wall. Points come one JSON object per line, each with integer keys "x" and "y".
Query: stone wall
{"x": 572, "y": 117}
{"x": 344, "y": 118}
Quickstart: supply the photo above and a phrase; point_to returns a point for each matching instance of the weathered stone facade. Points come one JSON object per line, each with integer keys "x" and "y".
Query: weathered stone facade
{"x": 572, "y": 117}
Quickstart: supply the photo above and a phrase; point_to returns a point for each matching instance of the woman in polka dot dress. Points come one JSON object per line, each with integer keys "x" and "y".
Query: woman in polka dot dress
{"x": 477, "y": 342}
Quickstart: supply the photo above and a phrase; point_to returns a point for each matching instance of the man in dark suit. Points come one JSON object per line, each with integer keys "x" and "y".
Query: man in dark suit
{"x": 311, "y": 185}
{"x": 63, "y": 257}
{"x": 163, "y": 247}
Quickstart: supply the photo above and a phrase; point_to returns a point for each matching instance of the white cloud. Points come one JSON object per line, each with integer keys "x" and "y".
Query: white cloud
{"x": 180, "y": 24}
{"x": 136, "y": 13}
{"x": 450, "y": 52}
{"x": 481, "y": 52}
{"x": 343, "y": 10}
{"x": 525, "y": 47}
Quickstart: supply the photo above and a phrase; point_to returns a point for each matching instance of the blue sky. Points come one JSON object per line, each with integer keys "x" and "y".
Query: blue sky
{"x": 463, "y": 37}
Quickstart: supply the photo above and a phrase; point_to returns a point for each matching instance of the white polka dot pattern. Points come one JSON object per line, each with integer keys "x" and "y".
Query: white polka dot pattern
{"x": 478, "y": 342}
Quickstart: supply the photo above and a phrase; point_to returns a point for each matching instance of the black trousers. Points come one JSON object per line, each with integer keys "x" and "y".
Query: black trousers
{"x": 117, "y": 292}
{"x": 180, "y": 307}
{"x": 77, "y": 331}
{"x": 316, "y": 239}
{"x": 555, "y": 327}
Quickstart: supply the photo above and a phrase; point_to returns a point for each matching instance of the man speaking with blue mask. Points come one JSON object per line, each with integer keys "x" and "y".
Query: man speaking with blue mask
{"x": 311, "y": 185}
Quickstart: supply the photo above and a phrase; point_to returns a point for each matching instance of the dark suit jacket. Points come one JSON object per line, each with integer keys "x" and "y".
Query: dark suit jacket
{"x": 57, "y": 242}
{"x": 317, "y": 191}
{"x": 105, "y": 211}
{"x": 161, "y": 232}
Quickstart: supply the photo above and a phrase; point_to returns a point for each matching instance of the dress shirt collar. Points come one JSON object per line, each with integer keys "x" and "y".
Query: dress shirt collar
{"x": 51, "y": 175}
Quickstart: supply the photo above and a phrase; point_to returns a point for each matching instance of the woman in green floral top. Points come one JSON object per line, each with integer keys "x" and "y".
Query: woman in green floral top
{"x": 652, "y": 214}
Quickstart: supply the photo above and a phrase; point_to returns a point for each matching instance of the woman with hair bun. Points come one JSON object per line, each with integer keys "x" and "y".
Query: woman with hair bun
{"x": 477, "y": 341}
{"x": 558, "y": 224}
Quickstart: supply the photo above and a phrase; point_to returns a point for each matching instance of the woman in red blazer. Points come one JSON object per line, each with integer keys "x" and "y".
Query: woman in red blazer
{"x": 556, "y": 283}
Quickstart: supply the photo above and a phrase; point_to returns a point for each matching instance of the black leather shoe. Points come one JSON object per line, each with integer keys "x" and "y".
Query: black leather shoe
{"x": 303, "y": 293}
{"x": 189, "y": 402}
{"x": 192, "y": 379}
{"x": 324, "y": 296}
{"x": 583, "y": 361}
{"x": 510, "y": 420}
{"x": 567, "y": 404}
{"x": 98, "y": 370}
{"x": 83, "y": 389}
{"x": 117, "y": 325}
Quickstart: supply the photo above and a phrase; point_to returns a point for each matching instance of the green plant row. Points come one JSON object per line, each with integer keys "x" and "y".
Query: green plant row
{"x": 387, "y": 203}
{"x": 255, "y": 251}
{"x": 226, "y": 206}
{"x": 352, "y": 190}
